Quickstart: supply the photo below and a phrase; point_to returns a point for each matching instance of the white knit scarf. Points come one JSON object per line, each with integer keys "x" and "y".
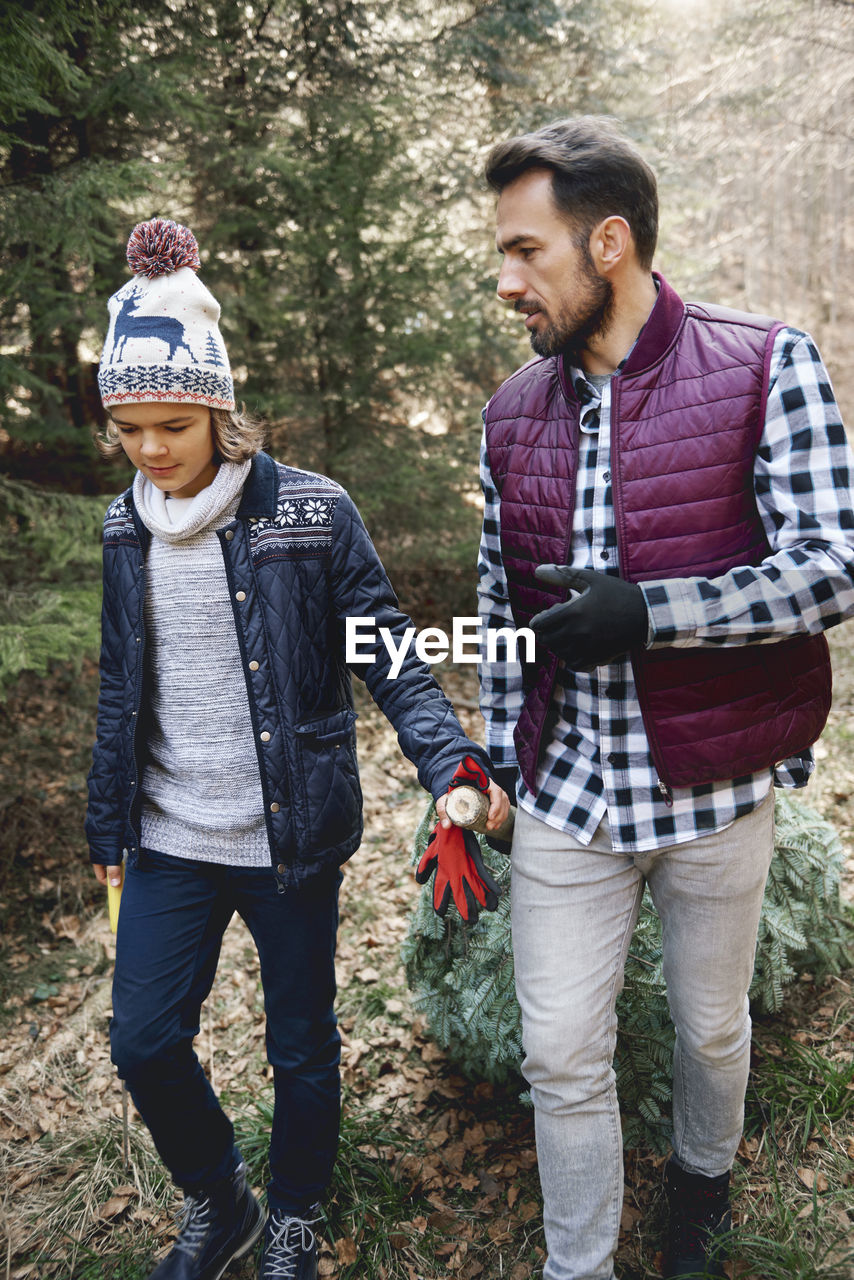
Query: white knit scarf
{"x": 211, "y": 507}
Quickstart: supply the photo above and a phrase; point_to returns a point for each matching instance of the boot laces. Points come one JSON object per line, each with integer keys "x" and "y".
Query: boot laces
{"x": 194, "y": 1223}
{"x": 287, "y": 1239}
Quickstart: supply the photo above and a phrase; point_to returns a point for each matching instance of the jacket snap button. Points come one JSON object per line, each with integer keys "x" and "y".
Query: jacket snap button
{"x": 253, "y": 665}
{"x": 274, "y": 808}
{"x": 229, "y": 534}
{"x": 265, "y": 737}
{"x": 241, "y": 595}
{"x": 281, "y": 868}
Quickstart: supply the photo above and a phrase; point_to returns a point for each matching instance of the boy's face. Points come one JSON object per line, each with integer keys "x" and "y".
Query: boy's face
{"x": 171, "y": 444}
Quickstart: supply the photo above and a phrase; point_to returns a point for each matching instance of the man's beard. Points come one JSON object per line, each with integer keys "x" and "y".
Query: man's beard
{"x": 574, "y": 327}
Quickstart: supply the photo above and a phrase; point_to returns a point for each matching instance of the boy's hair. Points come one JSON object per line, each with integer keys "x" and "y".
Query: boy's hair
{"x": 237, "y": 436}
{"x": 596, "y": 171}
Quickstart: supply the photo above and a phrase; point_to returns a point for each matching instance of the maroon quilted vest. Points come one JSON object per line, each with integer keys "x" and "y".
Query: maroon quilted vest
{"x": 686, "y": 418}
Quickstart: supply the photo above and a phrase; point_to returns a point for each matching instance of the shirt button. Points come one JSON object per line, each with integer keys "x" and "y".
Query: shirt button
{"x": 612, "y": 758}
{"x": 229, "y": 534}
{"x": 265, "y": 737}
{"x": 253, "y": 665}
{"x": 604, "y": 555}
{"x": 607, "y": 476}
{"x": 241, "y": 595}
{"x": 274, "y": 808}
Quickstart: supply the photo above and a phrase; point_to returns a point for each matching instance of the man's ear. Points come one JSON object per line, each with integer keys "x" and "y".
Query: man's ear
{"x": 610, "y": 241}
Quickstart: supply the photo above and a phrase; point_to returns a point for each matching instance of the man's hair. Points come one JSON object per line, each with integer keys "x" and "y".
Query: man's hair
{"x": 237, "y": 436}
{"x": 596, "y": 171}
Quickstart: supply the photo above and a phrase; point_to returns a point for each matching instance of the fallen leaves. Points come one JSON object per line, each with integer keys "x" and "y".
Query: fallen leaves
{"x": 118, "y": 1202}
{"x": 346, "y": 1250}
{"x": 813, "y": 1180}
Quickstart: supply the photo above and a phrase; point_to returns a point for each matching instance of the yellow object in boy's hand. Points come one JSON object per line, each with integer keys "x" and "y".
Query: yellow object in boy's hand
{"x": 114, "y": 897}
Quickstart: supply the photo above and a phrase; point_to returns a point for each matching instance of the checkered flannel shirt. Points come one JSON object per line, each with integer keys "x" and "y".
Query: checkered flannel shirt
{"x": 597, "y": 760}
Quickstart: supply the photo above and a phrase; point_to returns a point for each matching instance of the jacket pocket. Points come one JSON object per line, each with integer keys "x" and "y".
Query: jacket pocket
{"x": 326, "y": 748}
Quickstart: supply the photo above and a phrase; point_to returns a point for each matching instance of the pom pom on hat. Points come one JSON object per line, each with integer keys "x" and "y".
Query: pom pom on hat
{"x": 161, "y": 246}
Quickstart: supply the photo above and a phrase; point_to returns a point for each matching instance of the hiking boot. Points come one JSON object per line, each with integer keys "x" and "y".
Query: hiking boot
{"x": 217, "y": 1223}
{"x": 699, "y": 1217}
{"x": 290, "y": 1247}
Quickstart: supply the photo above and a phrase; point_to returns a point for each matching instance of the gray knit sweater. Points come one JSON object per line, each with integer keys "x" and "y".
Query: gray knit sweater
{"x": 201, "y": 788}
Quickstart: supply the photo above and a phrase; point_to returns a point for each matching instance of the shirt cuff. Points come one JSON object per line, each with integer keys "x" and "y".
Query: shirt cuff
{"x": 672, "y": 621}
{"x": 500, "y": 746}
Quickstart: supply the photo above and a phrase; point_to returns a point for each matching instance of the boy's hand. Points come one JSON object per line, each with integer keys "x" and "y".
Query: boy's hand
{"x": 454, "y": 854}
{"x": 113, "y": 871}
{"x": 470, "y": 774}
{"x": 499, "y": 807}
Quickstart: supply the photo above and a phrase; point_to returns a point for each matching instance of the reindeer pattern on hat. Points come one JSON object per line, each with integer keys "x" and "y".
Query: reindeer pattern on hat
{"x": 130, "y": 322}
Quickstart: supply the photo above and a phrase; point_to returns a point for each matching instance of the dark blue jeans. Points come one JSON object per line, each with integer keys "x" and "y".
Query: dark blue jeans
{"x": 173, "y": 914}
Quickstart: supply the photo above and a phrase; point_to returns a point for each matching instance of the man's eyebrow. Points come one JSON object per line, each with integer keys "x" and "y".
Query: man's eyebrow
{"x": 513, "y": 242}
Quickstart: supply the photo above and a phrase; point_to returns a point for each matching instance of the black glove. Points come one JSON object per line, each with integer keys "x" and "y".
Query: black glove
{"x": 607, "y": 619}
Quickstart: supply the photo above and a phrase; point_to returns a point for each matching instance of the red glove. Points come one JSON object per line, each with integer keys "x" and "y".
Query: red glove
{"x": 455, "y": 857}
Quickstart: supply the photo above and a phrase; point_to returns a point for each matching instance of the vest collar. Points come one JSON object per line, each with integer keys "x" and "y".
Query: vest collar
{"x": 659, "y": 332}
{"x": 655, "y": 338}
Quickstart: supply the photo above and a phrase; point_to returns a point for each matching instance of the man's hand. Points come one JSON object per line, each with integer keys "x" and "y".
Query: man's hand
{"x": 604, "y": 621}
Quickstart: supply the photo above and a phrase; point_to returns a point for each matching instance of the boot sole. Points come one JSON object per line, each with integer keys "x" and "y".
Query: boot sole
{"x": 249, "y": 1243}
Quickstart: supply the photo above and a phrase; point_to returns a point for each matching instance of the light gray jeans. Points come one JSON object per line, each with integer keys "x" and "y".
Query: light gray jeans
{"x": 573, "y": 911}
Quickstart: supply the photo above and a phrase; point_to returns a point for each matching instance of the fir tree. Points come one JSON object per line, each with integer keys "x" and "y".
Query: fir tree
{"x": 50, "y": 566}
{"x": 212, "y": 352}
{"x": 76, "y": 101}
{"x": 462, "y": 977}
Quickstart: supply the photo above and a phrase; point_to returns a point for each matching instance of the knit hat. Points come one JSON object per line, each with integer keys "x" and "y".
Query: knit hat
{"x": 164, "y": 342}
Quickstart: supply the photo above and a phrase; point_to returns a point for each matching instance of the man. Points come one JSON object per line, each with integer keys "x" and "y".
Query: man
{"x": 668, "y": 504}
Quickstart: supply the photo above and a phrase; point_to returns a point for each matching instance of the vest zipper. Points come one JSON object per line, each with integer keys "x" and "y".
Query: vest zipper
{"x": 616, "y": 498}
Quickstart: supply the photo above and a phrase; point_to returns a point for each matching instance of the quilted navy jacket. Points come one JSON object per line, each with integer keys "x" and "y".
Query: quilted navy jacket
{"x": 298, "y": 561}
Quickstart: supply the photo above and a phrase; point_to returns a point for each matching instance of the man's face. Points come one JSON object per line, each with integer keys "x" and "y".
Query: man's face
{"x": 545, "y": 274}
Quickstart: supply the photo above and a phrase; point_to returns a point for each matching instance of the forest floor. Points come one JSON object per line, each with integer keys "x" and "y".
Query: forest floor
{"x": 437, "y": 1173}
